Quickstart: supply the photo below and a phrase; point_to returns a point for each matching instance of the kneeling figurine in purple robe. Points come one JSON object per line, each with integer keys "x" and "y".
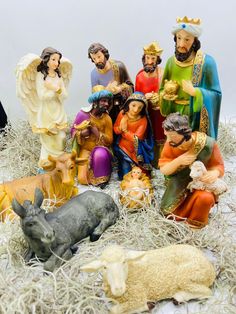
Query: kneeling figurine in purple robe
{"x": 92, "y": 137}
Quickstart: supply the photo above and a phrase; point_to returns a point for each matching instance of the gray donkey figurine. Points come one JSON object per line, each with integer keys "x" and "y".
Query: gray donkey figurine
{"x": 51, "y": 236}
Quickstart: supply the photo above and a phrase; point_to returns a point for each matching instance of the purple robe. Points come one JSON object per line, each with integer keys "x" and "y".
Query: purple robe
{"x": 100, "y": 159}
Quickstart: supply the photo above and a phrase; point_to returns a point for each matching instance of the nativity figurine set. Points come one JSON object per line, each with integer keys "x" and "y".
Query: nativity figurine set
{"x": 167, "y": 120}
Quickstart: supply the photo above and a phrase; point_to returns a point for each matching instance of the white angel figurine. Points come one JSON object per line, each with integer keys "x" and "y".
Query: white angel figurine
{"x": 41, "y": 84}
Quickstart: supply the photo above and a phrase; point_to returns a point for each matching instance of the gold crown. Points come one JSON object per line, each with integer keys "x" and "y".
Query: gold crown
{"x": 153, "y": 49}
{"x": 188, "y": 20}
{"x": 97, "y": 88}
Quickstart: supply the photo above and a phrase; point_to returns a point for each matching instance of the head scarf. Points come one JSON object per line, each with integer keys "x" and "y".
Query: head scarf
{"x": 191, "y": 26}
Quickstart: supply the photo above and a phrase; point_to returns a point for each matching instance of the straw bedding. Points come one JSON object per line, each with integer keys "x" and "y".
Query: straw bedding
{"x": 28, "y": 289}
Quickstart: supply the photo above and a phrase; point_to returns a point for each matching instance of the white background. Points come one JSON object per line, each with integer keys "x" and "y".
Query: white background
{"x": 123, "y": 26}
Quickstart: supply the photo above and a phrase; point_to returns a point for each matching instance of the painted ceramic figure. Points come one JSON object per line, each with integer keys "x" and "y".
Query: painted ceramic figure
{"x": 111, "y": 74}
{"x": 181, "y": 149}
{"x": 137, "y": 191}
{"x": 52, "y": 236}
{"x": 58, "y": 184}
{"x": 198, "y": 92}
{"x": 41, "y": 86}
{"x": 135, "y": 140}
{"x": 198, "y": 170}
{"x": 138, "y": 279}
{"x": 93, "y": 136}
{"x": 3, "y": 117}
{"x": 148, "y": 81}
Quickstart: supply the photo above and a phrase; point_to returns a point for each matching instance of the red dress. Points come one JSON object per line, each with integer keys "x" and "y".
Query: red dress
{"x": 147, "y": 85}
{"x": 127, "y": 140}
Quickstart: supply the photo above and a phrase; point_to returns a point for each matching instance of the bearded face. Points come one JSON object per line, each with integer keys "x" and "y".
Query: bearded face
{"x": 173, "y": 138}
{"x": 185, "y": 44}
{"x": 149, "y": 63}
{"x": 102, "y": 105}
{"x": 101, "y": 65}
{"x": 182, "y": 56}
{"x": 99, "y": 59}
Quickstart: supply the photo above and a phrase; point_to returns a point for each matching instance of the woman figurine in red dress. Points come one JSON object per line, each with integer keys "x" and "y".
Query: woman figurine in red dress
{"x": 134, "y": 144}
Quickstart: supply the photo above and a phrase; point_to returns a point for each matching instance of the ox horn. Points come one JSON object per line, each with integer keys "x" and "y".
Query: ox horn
{"x": 73, "y": 154}
{"x": 81, "y": 161}
{"x": 51, "y": 158}
{"x": 49, "y": 164}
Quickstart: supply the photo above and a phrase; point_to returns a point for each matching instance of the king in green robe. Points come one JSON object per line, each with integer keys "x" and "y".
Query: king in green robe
{"x": 192, "y": 65}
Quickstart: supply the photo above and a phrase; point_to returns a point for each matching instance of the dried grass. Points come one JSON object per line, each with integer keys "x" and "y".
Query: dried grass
{"x": 28, "y": 289}
{"x": 20, "y": 150}
{"x": 227, "y": 138}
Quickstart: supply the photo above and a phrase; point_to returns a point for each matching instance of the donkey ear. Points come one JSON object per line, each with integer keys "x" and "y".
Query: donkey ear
{"x": 38, "y": 197}
{"x": 18, "y": 209}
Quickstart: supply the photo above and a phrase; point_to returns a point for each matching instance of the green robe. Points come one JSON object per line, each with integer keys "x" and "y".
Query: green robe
{"x": 204, "y": 108}
{"x": 176, "y": 190}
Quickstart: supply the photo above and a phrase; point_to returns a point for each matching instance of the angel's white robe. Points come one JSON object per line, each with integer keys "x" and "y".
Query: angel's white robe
{"x": 51, "y": 117}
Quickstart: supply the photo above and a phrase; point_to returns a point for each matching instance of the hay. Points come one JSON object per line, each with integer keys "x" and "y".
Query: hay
{"x": 227, "y": 138}
{"x": 20, "y": 150}
{"x": 27, "y": 289}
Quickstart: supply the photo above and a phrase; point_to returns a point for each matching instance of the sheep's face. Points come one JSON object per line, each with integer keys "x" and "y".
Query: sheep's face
{"x": 114, "y": 265}
{"x": 116, "y": 261}
{"x": 116, "y": 274}
{"x": 197, "y": 170}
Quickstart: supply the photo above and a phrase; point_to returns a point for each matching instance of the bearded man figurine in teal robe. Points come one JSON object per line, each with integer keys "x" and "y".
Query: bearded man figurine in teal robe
{"x": 190, "y": 82}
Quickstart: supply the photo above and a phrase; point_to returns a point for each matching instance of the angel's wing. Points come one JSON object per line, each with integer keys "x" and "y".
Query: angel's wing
{"x": 66, "y": 70}
{"x": 26, "y": 71}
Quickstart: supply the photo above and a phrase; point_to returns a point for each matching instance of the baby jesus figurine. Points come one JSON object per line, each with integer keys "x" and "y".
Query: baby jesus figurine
{"x": 136, "y": 189}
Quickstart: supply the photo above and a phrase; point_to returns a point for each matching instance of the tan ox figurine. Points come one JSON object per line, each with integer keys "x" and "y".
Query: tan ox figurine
{"x": 57, "y": 183}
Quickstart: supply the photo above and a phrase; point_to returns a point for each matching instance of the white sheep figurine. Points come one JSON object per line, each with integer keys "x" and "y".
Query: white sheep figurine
{"x": 136, "y": 278}
{"x": 198, "y": 169}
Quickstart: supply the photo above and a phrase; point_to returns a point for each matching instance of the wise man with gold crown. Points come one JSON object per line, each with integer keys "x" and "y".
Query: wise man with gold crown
{"x": 190, "y": 82}
{"x": 148, "y": 81}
